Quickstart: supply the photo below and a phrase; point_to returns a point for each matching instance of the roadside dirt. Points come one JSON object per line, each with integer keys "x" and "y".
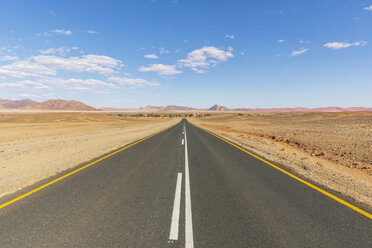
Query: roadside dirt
{"x": 332, "y": 149}
{"x": 37, "y": 146}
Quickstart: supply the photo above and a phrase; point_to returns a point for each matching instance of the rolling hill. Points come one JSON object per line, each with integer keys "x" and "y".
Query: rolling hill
{"x": 52, "y": 105}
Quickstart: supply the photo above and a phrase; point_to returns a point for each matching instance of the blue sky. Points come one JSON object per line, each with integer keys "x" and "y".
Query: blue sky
{"x": 193, "y": 53}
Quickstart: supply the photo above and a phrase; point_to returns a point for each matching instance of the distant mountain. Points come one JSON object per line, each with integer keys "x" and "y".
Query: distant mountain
{"x": 272, "y": 109}
{"x": 9, "y": 104}
{"x": 177, "y": 108}
{"x": 217, "y": 107}
{"x": 166, "y": 108}
{"x": 27, "y": 104}
{"x": 151, "y": 108}
{"x": 115, "y": 109}
{"x": 299, "y": 109}
{"x": 357, "y": 109}
{"x": 338, "y": 109}
{"x": 59, "y": 105}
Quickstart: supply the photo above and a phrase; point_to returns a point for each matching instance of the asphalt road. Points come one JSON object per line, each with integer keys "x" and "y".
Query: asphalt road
{"x": 181, "y": 188}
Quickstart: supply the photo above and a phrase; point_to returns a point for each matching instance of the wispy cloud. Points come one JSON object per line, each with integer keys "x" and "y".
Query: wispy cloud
{"x": 25, "y": 68}
{"x": 56, "y": 31}
{"x": 151, "y": 56}
{"x": 52, "y": 82}
{"x": 341, "y": 45}
{"x": 299, "y": 52}
{"x": 44, "y": 96}
{"x": 303, "y": 42}
{"x": 9, "y": 58}
{"x": 87, "y": 63}
{"x": 61, "y": 31}
{"x": 47, "y": 65}
{"x": 161, "y": 69}
{"x": 281, "y": 41}
{"x": 134, "y": 82}
{"x": 201, "y": 59}
{"x": 76, "y": 83}
{"x": 92, "y": 32}
{"x": 230, "y": 36}
{"x": 60, "y": 50}
{"x": 163, "y": 51}
{"x": 368, "y": 7}
{"x": 24, "y": 84}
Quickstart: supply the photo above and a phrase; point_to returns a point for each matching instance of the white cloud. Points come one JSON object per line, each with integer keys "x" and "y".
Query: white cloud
{"x": 24, "y": 85}
{"x": 161, "y": 69}
{"x": 49, "y": 65}
{"x": 44, "y": 96}
{"x": 74, "y": 83}
{"x": 134, "y": 82}
{"x": 340, "y": 45}
{"x": 60, "y": 51}
{"x": 51, "y": 82}
{"x": 281, "y": 41}
{"x": 151, "y": 56}
{"x": 87, "y": 63}
{"x": 56, "y": 31}
{"x": 38, "y": 72}
{"x": 299, "y": 51}
{"x": 304, "y": 42}
{"x": 368, "y": 7}
{"x": 25, "y": 68}
{"x": 230, "y": 36}
{"x": 201, "y": 59}
{"x": 92, "y": 32}
{"x": 163, "y": 51}
{"x": 61, "y": 31}
{"x": 9, "y": 58}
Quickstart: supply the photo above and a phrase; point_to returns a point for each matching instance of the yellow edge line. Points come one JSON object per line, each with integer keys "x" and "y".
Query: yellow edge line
{"x": 368, "y": 215}
{"x": 77, "y": 170}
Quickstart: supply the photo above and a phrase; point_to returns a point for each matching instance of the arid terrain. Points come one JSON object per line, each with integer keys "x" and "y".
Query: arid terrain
{"x": 332, "y": 149}
{"x": 34, "y": 146}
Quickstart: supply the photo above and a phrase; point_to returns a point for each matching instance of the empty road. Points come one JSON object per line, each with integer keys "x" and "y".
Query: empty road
{"x": 182, "y": 187}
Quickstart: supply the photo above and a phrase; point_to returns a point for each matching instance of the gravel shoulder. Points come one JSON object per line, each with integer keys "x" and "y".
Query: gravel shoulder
{"x": 331, "y": 149}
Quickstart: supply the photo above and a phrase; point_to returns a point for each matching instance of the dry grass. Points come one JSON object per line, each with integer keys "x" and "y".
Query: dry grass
{"x": 36, "y": 146}
{"x": 333, "y": 149}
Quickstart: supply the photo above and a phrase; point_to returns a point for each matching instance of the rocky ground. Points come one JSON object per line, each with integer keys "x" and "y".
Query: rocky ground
{"x": 34, "y": 146}
{"x": 332, "y": 149}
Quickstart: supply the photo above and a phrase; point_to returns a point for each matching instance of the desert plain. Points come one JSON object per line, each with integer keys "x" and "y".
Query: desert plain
{"x": 35, "y": 146}
{"x": 331, "y": 149}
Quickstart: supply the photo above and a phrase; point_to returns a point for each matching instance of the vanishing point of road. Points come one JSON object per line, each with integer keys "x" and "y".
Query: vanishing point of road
{"x": 183, "y": 187}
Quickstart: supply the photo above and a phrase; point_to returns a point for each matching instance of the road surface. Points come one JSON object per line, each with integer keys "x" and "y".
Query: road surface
{"x": 180, "y": 188}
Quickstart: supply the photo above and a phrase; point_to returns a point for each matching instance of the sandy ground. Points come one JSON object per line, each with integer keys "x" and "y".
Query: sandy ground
{"x": 332, "y": 149}
{"x": 34, "y": 146}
